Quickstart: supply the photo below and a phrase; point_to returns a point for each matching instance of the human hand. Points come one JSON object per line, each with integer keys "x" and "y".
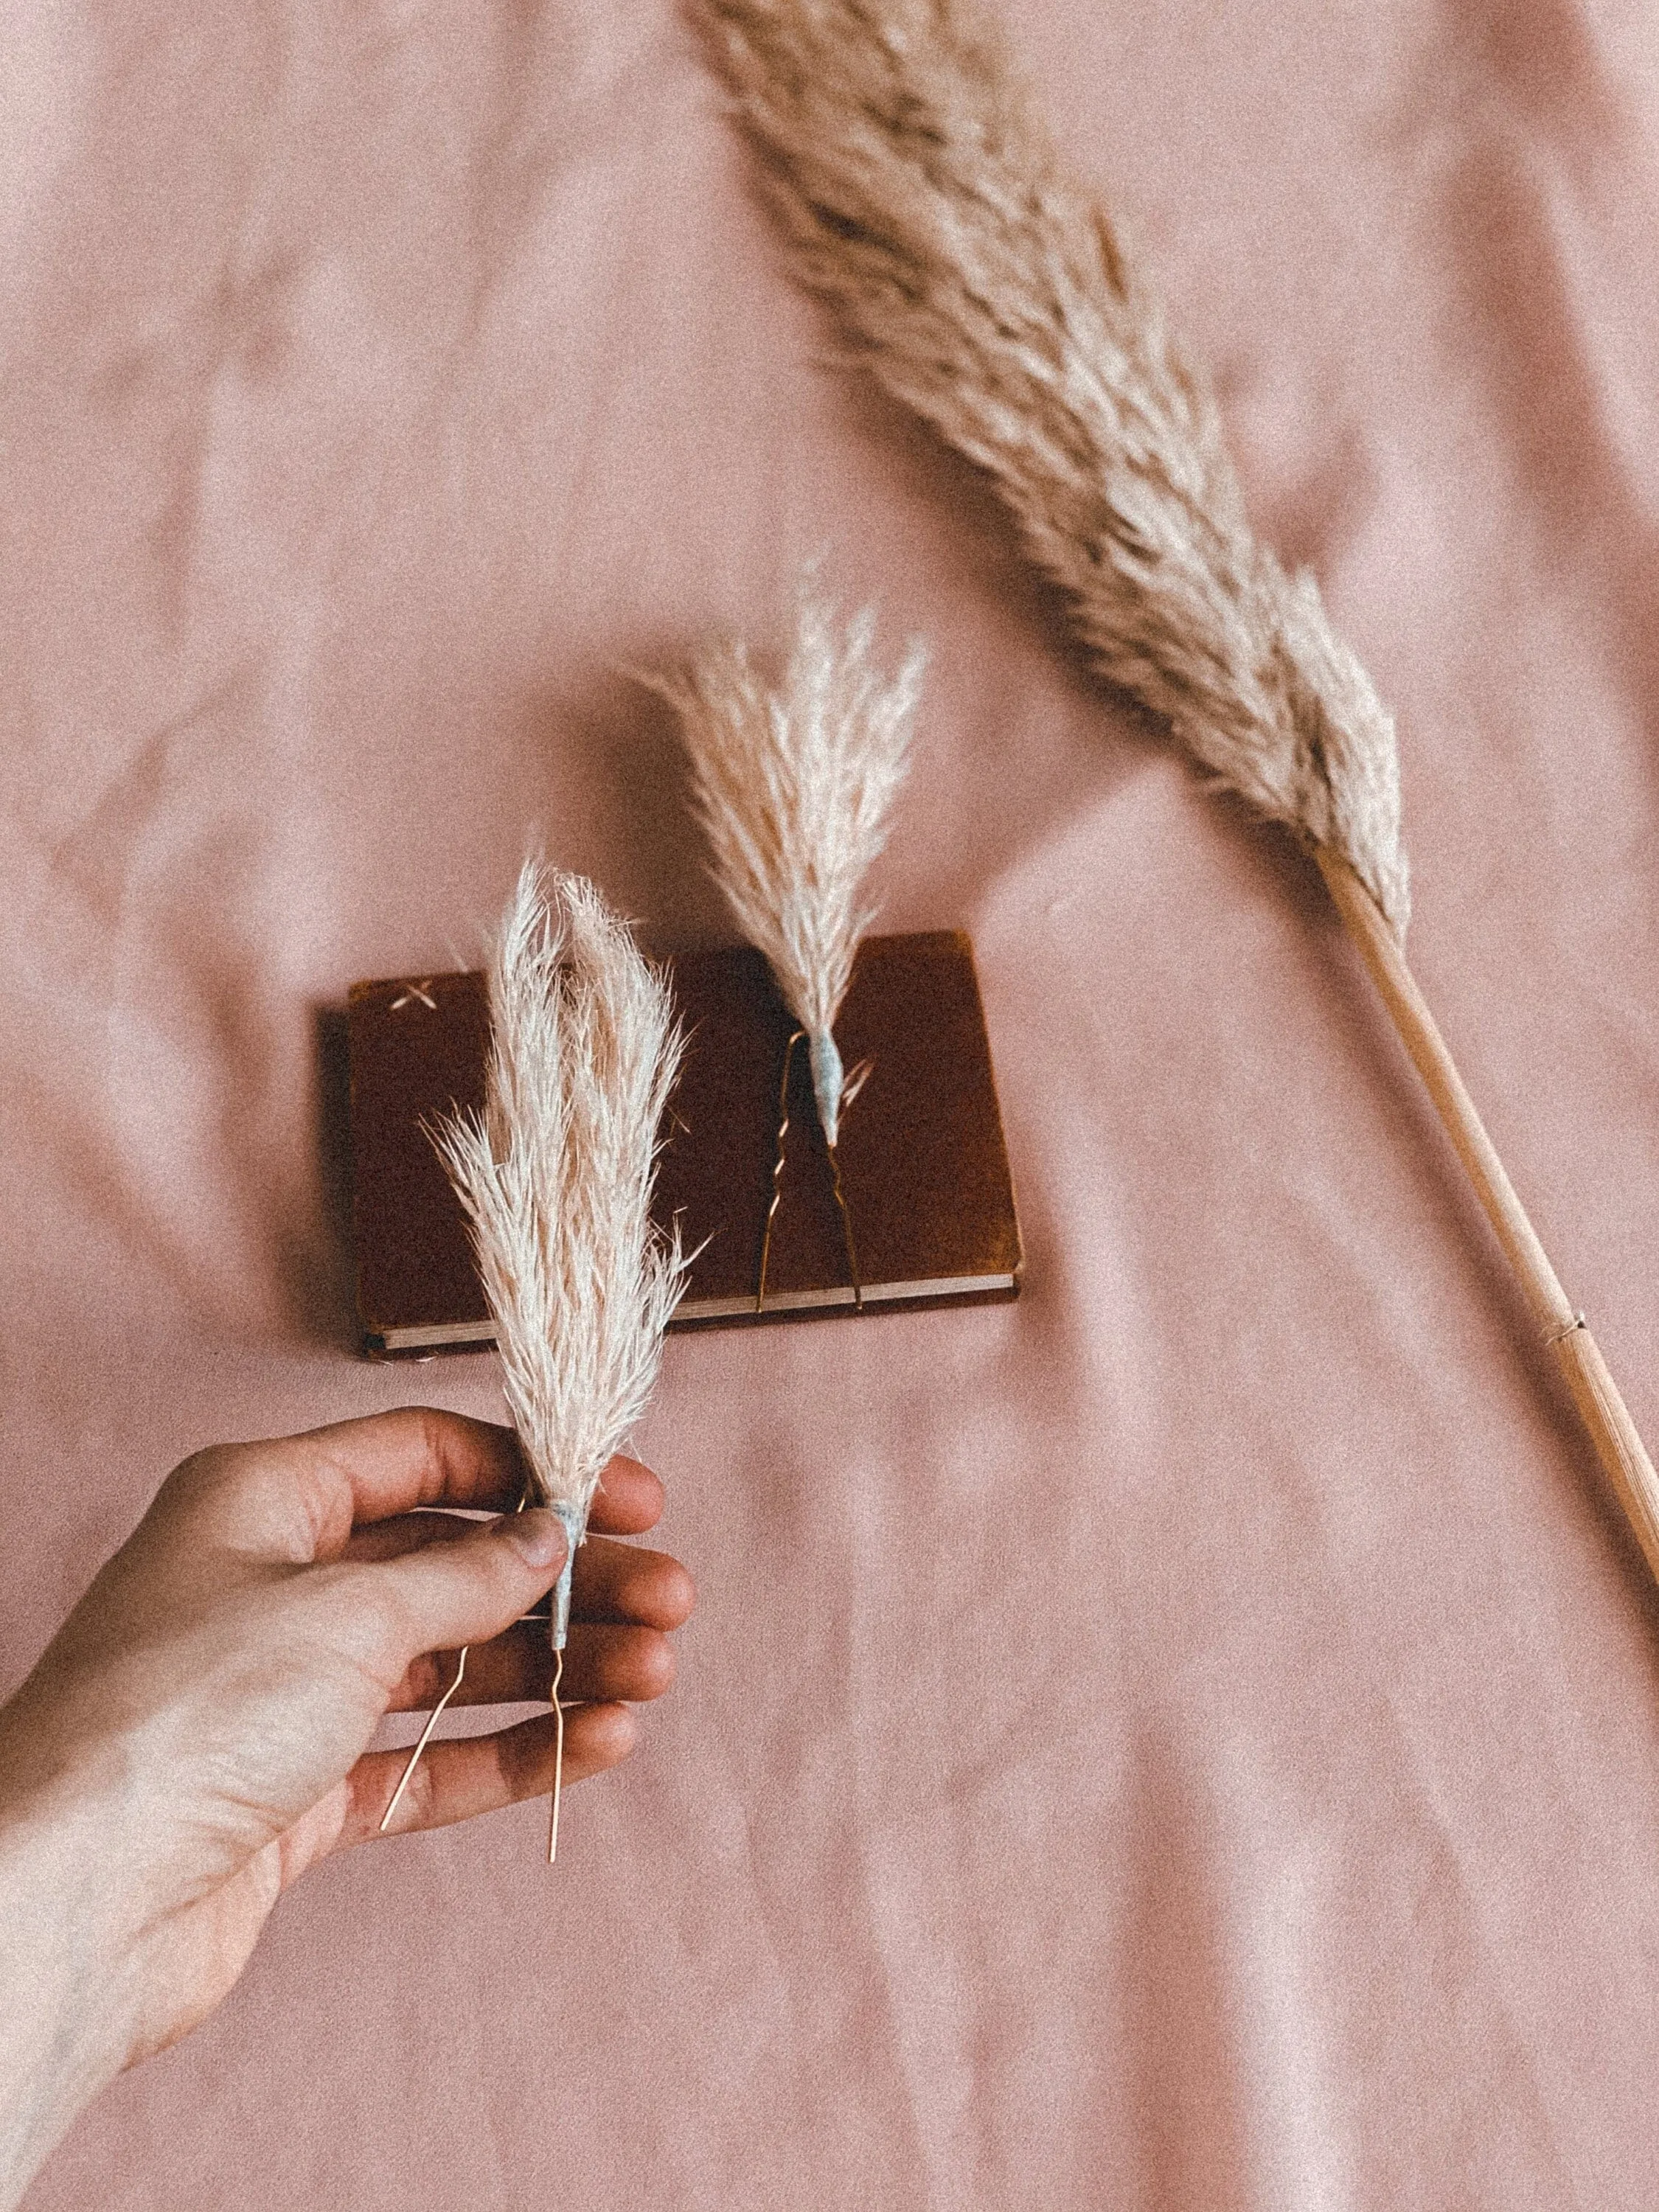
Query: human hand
{"x": 196, "y": 1736}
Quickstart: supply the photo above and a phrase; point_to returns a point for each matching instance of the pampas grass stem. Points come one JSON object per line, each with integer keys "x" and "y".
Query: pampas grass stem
{"x": 556, "y": 1176}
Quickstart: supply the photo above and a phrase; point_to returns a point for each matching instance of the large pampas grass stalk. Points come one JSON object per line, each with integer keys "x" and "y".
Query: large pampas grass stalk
{"x": 794, "y": 785}
{"x": 987, "y": 291}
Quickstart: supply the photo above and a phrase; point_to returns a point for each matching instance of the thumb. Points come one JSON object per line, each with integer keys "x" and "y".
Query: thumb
{"x": 465, "y": 1592}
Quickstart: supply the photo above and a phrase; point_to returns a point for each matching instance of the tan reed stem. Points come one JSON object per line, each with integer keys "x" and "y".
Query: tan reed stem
{"x": 1618, "y": 1446}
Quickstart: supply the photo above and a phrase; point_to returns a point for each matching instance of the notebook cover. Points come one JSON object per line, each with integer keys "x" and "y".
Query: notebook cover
{"x": 924, "y": 1167}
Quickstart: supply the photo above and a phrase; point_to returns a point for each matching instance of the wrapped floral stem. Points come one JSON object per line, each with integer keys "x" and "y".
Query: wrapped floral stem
{"x": 793, "y": 784}
{"x": 556, "y": 1177}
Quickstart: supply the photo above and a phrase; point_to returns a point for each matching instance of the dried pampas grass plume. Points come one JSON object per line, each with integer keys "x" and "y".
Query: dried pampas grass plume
{"x": 793, "y": 786}
{"x": 556, "y": 1177}
{"x": 988, "y": 293}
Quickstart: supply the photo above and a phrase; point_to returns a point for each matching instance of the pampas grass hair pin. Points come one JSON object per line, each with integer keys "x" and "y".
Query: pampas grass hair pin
{"x": 793, "y": 786}
{"x": 555, "y": 1177}
{"x": 989, "y": 293}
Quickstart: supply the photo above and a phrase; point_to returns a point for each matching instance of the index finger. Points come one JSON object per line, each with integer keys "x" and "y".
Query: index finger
{"x": 384, "y": 1463}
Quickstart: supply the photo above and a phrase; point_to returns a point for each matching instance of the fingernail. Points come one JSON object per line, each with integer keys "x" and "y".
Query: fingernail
{"x": 538, "y": 1535}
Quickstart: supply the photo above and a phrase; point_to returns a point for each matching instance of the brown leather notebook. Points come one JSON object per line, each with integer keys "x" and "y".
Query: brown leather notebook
{"x": 924, "y": 1167}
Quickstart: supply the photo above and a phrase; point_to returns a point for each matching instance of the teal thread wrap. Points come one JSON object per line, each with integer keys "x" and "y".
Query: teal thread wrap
{"x": 828, "y": 1082}
{"x": 573, "y": 1523}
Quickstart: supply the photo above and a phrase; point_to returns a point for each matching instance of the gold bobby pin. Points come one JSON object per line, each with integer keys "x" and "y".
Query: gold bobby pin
{"x": 558, "y": 1752}
{"x": 432, "y": 1720}
{"x": 855, "y": 1083}
{"x": 846, "y": 1230}
{"x": 437, "y": 1713}
{"x": 777, "y": 1165}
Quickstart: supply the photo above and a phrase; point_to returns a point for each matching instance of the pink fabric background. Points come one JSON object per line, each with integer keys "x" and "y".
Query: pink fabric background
{"x": 1188, "y": 1739}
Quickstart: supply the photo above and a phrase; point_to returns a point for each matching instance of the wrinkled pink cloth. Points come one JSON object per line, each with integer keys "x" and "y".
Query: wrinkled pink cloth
{"x": 1189, "y": 1739}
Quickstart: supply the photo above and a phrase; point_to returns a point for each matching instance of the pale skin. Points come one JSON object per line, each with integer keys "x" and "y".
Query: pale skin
{"x": 197, "y": 1734}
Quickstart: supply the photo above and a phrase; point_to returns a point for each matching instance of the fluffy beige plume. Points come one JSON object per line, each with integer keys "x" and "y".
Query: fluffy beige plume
{"x": 987, "y": 292}
{"x": 794, "y": 787}
{"x": 556, "y": 1177}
